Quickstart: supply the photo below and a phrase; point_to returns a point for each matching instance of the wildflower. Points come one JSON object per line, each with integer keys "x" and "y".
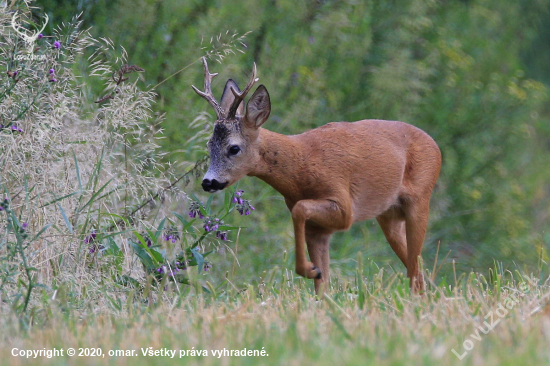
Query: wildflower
{"x": 212, "y": 224}
{"x": 147, "y": 240}
{"x": 53, "y": 80}
{"x": 90, "y": 238}
{"x": 171, "y": 233}
{"x": 52, "y": 71}
{"x": 40, "y": 36}
{"x": 57, "y": 44}
{"x": 15, "y": 74}
{"x": 24, "y": 225}
{"x": 194, "y": 210}
{"x": 180, "y": 265}
{"x": 245, "y": 208}
{"x": 237, "y": 197}
{"x": 222, "y": 235}
{"x": 207, "y": 266}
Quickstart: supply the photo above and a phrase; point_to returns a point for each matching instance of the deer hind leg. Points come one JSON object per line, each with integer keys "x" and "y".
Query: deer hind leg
{"x": 318, "y": 248}
{"x": 416, "y": 216}
{"x": 392, "y": 223}
{"x": 328, "y": 216}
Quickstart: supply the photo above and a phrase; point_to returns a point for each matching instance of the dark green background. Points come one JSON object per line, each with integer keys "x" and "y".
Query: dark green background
{"x": 473, "y": 74}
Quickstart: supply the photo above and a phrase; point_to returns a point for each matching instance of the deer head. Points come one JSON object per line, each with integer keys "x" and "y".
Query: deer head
{"x": 29, "y": 39}
{"x": 233, "y": 146}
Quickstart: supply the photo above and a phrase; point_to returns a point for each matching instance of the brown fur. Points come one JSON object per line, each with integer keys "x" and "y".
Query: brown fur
{"x": 334, "y": 176}
{"x": 343, "y": 173}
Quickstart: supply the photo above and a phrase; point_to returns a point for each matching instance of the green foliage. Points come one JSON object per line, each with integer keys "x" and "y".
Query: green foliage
{"x": 15, "y": 243}
{"x": 459, "y": 70}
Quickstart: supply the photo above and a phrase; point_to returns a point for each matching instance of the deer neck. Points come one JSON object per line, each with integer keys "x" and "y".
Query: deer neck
{"x": 279, "y": 164}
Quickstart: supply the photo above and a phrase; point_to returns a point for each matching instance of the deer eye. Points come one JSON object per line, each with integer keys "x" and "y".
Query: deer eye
{"x": 234, "y": 150}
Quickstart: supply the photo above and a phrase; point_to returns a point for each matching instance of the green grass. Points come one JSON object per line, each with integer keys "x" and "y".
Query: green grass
{"x": 366, "y": 321}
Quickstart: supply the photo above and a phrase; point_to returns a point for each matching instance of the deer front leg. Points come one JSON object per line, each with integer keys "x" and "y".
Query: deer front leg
{"x": 325, "y": 214}
{"x": 318, "y": 247}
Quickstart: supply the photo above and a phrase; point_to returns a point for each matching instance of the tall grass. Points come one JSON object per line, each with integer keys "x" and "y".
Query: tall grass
{"x": 90, "y": 201}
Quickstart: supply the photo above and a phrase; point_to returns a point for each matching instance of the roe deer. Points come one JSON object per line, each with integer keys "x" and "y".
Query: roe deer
{"x": 330, "y": 177}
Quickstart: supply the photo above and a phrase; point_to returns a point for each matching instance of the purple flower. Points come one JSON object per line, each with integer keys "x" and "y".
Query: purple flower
{"x": 40, "y": 36}
{"x": 24, "y": 225}
{"x": 195, "y": 210}
{"x": 1, "y": 208}
{"x": 222, "y": 235}
{"x": 207, "y": 228}
{"x": 15, "y": 73}
{"x": 90, "y": 238}
{"x": 57, "y": 44}
{"x": 247, "y": 212}
{"x": 14, "y": 127}
{"x": 53, "y": 80}
{"x": 52, "y": 71}
{"x": 171, "y": 234}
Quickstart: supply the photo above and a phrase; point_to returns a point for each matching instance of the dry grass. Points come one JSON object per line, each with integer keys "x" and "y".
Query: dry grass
{"x": 391, "y": 326}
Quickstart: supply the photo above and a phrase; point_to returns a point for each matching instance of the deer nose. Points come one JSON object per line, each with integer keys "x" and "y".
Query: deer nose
{"x": 212, "y": 185}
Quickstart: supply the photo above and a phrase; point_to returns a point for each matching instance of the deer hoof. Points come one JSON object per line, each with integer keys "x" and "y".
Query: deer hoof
{"x": 315, "y": 273}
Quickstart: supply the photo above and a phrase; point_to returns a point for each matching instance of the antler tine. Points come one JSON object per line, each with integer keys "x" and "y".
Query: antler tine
{"x": 44, "y": 26}
{"x": 16, "y": 27}
{"x": 239, "y": 97}
{"x": 207, "y": 94}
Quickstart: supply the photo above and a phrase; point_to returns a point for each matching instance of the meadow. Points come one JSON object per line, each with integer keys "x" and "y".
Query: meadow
{"x": 372, "y": 321}
{"x": 109, "y": 247}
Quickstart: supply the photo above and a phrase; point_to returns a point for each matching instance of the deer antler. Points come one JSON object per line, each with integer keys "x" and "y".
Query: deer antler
{"x": 28, "y": 39}
{"x": 239, "y": 97}
{"x": 207, "y": 94}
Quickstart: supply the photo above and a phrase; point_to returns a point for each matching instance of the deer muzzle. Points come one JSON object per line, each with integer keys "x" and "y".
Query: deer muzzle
{"x": 212, "y": 185}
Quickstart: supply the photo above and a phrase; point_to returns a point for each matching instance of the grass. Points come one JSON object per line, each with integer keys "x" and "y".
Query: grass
{"x": 367, "y": 321}
{"x": 87, "y": 199}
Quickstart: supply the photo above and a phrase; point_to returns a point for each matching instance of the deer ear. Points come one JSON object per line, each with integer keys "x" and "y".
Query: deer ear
{"x": 258, "y": 108}
{"x": 228, "y": 98}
